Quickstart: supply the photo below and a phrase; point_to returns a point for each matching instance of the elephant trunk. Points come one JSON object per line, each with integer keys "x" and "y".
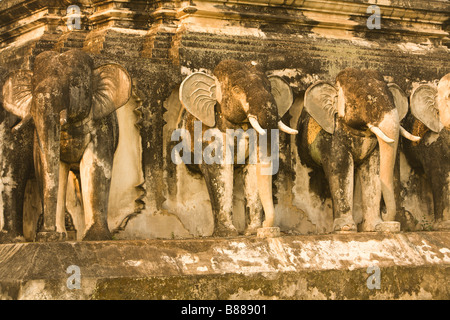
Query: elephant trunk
{"x": 390, "y": 127}
{"x": 263, "y": 177}
{"x": 264, "y": 169}
{"x": 46, "y": 157}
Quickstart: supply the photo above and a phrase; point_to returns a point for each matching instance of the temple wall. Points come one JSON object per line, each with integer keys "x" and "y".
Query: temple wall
{"x": 161, "y": 42}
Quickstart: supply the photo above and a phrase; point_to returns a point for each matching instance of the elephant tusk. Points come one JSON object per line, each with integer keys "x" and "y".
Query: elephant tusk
{"x": 408, "y": 135}
{"x": 63, "y": 117}
{"x": 286, "y": 129}
{"x": 255, "y": 125}
{"x": 23, "y": 122}
{"x": 377, "y": 131}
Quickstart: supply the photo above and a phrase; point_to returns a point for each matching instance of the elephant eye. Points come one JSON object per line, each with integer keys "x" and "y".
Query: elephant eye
{"x": 236, "y": 90}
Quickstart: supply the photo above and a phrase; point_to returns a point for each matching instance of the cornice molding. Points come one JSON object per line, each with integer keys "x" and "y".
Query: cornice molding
{"x": 413, "y": 17}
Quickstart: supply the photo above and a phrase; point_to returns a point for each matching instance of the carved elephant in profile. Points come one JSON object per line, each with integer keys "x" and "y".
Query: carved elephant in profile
{"x": 430, "y": 119}
{"x": 350, "y": 127}
{"x": 16, "y": 167}
{"x": 238, "y": 97}
{"x": 72, "y": 106}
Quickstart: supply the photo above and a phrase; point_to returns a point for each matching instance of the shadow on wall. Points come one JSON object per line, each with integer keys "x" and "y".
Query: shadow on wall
{"x": 127, "y": 171}
{"x": 417, "y": 198}
{"x": 186, "y": 193}
{"x": 319, "y": 211}
{"x": 127, "y": 217}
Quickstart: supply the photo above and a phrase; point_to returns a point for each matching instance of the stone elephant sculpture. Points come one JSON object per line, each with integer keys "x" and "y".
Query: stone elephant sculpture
{"x": 430, "y": 119}
{"x": 16, "y": 167}
{"x": 72, "y": 106}
{"x": 339, "y": 131}
{"x": 241, "y": 97}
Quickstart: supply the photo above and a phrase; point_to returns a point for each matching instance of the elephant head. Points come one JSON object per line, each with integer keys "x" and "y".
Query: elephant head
{"x": 71, "y": 78}
{"x": 362, "y": 100}
{"x": 431, "y": 105}
{"x": 67, "y": 98}
{"x": 244, "y": 93}
{"x": 236, "y": 95}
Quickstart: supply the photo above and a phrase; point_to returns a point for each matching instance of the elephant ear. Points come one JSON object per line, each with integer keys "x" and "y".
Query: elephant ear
{"x": 111, "y": 89}
{"x": 424, "y": 106}
{"x": 198, "y": 95}
{"x": 17, "y": 94}
{"x": 400, "y": 100}
{"x": 321, "y": 104}
{"x": 282, "y": 93}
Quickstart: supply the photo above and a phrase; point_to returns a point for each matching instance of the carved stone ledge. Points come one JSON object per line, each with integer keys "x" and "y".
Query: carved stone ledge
{"x": 268, "y": 232}
{"x": 415, "y": 18}
{"x": 411, "y": 265}
{"x": 389, "y": 226}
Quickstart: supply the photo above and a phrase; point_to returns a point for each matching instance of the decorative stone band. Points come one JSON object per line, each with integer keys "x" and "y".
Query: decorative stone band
{"x": 410, "y": 266}
{"x": 412, "y": 18}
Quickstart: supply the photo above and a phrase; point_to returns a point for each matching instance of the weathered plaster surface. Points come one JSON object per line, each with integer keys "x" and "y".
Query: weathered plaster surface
{"x": 413, "y": 266}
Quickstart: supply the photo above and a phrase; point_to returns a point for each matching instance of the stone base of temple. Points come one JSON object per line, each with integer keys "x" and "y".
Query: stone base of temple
{"x": 334, "y": 266}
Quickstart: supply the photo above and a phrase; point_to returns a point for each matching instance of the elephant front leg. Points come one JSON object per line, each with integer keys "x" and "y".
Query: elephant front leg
{"x": 440, "y": 184}
{"x": 15, "y": 173}
{"x": 339, "y": 170}
{"x": 219, "y": 182}
{"x": 95, "y": 175}
{"x": 12, "y": 196}
{"x": 253, "y": 203}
